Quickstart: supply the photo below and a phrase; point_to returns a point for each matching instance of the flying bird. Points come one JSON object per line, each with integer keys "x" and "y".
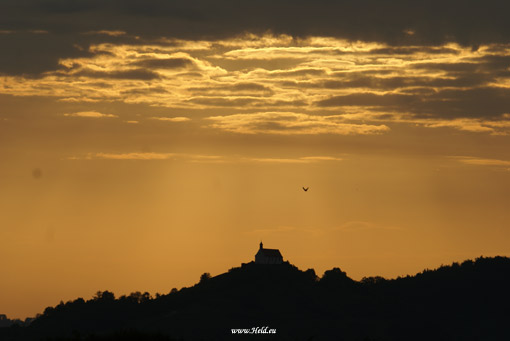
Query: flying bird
{"x": 305, "y": 189}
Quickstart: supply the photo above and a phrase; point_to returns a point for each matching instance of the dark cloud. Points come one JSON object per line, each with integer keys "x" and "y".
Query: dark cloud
{"x": 137, "y": 74}
{"x": 224, "y": 102}
{"x": 423, "y": 91}
{"x": 66, "y": 7}
{"x": 493, "y": 63}
{"x": 245, "y": 101}
{"x": 405, "y": 50}
{"x": 487, "y": 66}
{"x": 368, "y": 99}
{"x": 298, "y": 73}
{"x": 249, "y": 88}
{"x": 145, "y": 91}
{"x": 483, "y": 102}
{"x": 284, "y": 103}
{"x": 192, "y": 74}
{"x": 392, "y": 83}
{"x": 448, "y": 67}
{"x": 165, "y": 63}
{"x": 397, "y": 23}
{"x": 31, "y": 53}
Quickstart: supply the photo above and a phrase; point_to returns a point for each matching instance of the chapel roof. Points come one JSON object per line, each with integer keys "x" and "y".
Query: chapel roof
{"x": 270, "y": 252}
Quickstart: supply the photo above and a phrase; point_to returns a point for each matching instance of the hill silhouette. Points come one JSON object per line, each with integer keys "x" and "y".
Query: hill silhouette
{"x": 468, "y": 301}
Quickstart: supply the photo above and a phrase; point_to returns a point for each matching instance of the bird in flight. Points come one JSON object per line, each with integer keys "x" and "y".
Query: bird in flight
{"x": 305, "y": 189}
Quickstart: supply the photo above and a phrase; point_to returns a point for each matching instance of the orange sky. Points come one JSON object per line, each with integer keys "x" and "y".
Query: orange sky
{"x": 138, "y": 166}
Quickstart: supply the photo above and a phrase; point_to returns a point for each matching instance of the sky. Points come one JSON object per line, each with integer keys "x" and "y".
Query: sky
{"x": 143, "y": 143}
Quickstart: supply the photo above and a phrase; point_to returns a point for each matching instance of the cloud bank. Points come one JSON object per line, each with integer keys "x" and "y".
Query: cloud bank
{"x": 49, "y": 30}
{"x": 350, "y": 67}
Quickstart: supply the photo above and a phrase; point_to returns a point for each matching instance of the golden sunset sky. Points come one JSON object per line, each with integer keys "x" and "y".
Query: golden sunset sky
{"x": 143, "y": 143}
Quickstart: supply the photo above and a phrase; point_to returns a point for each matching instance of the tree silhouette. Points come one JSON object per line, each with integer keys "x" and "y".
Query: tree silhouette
{"x": 205, "y": 277}
{"x": 104, "y": 296}
{"x": 466, "y": 301}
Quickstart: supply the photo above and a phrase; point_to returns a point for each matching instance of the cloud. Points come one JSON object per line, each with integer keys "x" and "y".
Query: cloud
{"x": 89, "y": 114}
{"x": 358, "y": 226}
{"x": 459, "y": 107}
{"x": 165, "y": 63}
{"x": 284, "y": 230}
{"x": 359, "y": 80}
{"x": 298, "y": 73}
{"x": 225, "y": 102}
{"x": 172, "y": 119}
{"x": 28, "y": 53}
{"x": 138, "y": 74}
{"x": 146, "y": 156}
{"x": 126, "y": 156}
{"x": 305, "y": 159}
{"x": 481, "y": 161}
{"x": 397, "y": 23}
{"x": 201, "y": 158}
{"x": 321, "y": 158}
{"x": 472, "y": 125}
{"x": 108, "y": 33}
{"x": 367, "y": 99}
{"x": 496, "y": 126}
{"x": 238, "y": 89}
{"x": 288, "y": 123}
{"x": 372, "y": 84}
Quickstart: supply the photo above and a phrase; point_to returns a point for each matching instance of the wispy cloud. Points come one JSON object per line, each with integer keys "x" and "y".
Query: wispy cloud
{"x": 306, "y": 159}
{"x": 309, "y": 231}
{"x": 172, "y": 119}
{"x": 472, "y": 125}
{"x": 197, "y": 158}
{"x": 482, "y": 161}
{"x": 289, "y": 123}
{"x": 149, "y": 156}
{"x": 201, "y": 158}
{"x": 132, "y": 156}
{"x": 321, "y": 158}
{"x": 108, "y": 33}
{"x": 89, "y": 114}
{"x": 353, "y": 226}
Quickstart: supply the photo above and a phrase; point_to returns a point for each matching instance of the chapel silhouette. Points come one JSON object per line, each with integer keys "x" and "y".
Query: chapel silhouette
{"x": 268, "y": 256}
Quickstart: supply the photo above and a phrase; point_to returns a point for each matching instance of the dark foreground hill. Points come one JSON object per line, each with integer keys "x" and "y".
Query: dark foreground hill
{"x": 468, "y": 301}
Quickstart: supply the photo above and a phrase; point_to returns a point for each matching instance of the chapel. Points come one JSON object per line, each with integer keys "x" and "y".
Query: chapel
{"x": 268, "y": 256}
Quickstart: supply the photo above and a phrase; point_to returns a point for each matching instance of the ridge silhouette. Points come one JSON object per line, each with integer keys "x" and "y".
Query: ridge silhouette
{"x": 467, "y": 301}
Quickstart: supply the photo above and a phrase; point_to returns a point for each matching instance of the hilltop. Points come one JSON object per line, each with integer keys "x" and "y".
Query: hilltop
{"x": 467, "y": 301}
